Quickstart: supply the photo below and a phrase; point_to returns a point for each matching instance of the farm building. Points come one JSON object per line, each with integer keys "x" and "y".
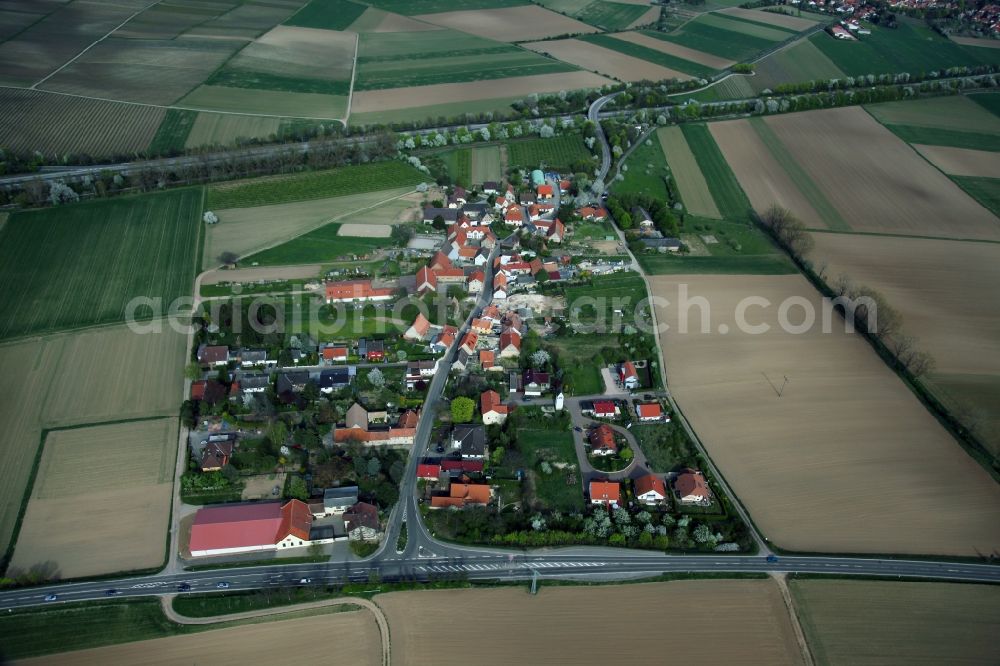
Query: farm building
{"x": 355, "y": 290}
{"x": 247, "y": 528}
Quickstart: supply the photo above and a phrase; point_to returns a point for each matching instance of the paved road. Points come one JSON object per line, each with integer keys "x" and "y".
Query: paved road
{"x": 593, "y": 115}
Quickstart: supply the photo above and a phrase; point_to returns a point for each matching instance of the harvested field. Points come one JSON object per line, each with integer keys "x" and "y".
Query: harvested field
{"x": 874, "y": 180}
{"x": 122, "y": 69}
{"x": 690, "y": 180}
{"x": 294, "y": 59}
{"x": 658, "y": 57}
{"x": 223, "y": 129}
{"x": 516, "y": 23}
{"x": 83, "y": 478}
{"x": 366, "y": 230}
{"x": 945, "y": 292}
{"x": 845, "y": 424}
{"x": 651, "y": 16}
{"x": 870, "y": 623}
{"x": 758, "y": 172}
{"x": 249, "y": 230}
{"x": 266, "y": 102}
{"x": 249, "y": 20}
{"x": 796, "y": 23}
{"x": 752, "y": 29}
{"x": 457, "y": 93}
{"x": 962, "y": 161}
{"x": 81, "y": 264}
{"x": 975, "y": 41}
{"x": 55, "y": 125}
{"x": 113, "y": 363}
{"x": 604, "y": 61}
{"x": 354, "y": 633}
{"x": 677, "y": 50}
{"x": 758, "y": 630}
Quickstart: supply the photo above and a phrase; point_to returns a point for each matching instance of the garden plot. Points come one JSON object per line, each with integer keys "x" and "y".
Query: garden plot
{"x": 123, "y": 69}
{"x": 843, "y": 425}
{"x": 509, "y": 24}
{"x": 101, "y": 499}
{"x": 605, "y": 61}
{"x": 690, "y": 180}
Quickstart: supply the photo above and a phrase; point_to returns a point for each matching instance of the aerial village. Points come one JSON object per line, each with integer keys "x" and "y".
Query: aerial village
{"x": 299, "y": 443}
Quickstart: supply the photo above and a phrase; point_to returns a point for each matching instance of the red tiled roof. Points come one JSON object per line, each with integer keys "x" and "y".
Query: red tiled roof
{"x": 650, "y": 410}
{"x": 438, "y": 502}
{"x": 296, "y": 519}
{"x": 198, "y": 389}
{"x": 469, "y": 466}
{"x": 471, "y": 493}
{"x": 236, "y": 526}
{"x": 426, "y": 279}
{"x": 440, "y": 260}
{"x": 691, "y": 483}
{"x": 490, "y": 401}
{"x": 628, "y": 370}
{"x": 354, "y": 289}
{"x": 477, "y": 275}
{"x": 487, "y": 358}
{"x": 334, "y": 353}
{"x": 428, "y": 471}
{"x": 604, "y": 407}
{"x": 650, "y": 482}
{"x": 470, "y": 340}
{"x": 603, "y": 437}
{"x": 544, "y": 190}
{"x": 421, "y": 325}
{"x": 507, "y": 339}
{"x": 605, "y": 491}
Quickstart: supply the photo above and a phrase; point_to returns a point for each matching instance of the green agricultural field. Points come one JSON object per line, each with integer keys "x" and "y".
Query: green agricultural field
{"x": 551, "y": 490}
{"x": 266, "y": 102}
{"x": 901, "y": 50}
{"x": 709, "y": 38}
{"x": 597, "y": 302}
{"x": 662, "y": 264}
{"x": 79, "y": 265}
{"x": 984, "y": 190}
{"x": 313, "y": 185}
{"x": 327, "y": 14}
{"x": 226, "y": 129}
{"x": 486, "y": 164}
{"x": 610, "y": 16}
{"x": 735, "y": 239}
{"x": 437, "y": 112}
{"x": 235, "y": 78}
{"x": 726, "y": 191}
{"x": 172, "y": 133}
{"x": 989, "y": 101}
{"x": 316, "y": 247}
{"x": 560, "y": 152}
{"x": 650, "y": 55}
{"x": 774, "y": 33}
{"x": 458, "y": 162}
{"x": 647, "y": 168}
{"x": 414, "y": 7}
{"x": 957, "y": 121}
{"x": 933, "y": 136}
{"x": 405, "y": 59}
{"x": 813, "y": 194}
{"x": 798, "y": 63}
{"x": 735, "y": 86}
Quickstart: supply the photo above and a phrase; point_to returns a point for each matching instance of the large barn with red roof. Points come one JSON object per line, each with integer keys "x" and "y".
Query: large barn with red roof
{"x": 247, "y": 528}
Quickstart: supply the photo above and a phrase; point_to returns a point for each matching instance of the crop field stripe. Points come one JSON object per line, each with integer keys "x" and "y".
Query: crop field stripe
{"x": 933, "y": 136}
{"x": 761, "y": 264}
{"x": 729, "y": 197}
{"x": 237, "y": 78}
{"x": 798, "y": 175}
{"x": 610, "y": 15}
{"x": 327, "y": 14}
{"x": 989, "y": 101}
{"x": 690, "y": 180}
{"x": 314, "y": 185}
{"x": 717, "y": 41}
{"x": 173, "y": 132}
{"x": 649, "y": 55}
{"x": 771, "y": 33}
{"x": 414, "y": 7}
{"x": 984, "y": 190}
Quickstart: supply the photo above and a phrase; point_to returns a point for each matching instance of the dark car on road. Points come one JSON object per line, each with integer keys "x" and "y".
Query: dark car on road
{"x": 772, "y": 558}
{"x": 112, "y": 592}
{"x": 51, "y": 597}
{"x": 184, "y": 587}
{"x": 223, "y": 585}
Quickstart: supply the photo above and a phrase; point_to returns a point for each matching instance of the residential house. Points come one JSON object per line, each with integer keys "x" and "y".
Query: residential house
{"x": 493, "y": 410}
{"x": 487, "y": 360}
{"x": 357, "y": 428}
{"x": 439, "y": 261}
{"x": 649, "y": 411}
{"x": 429, "y": 471}
{"x": 564, "y": 186}
{"x": 628, "y": 376}
{"x": 514, "y": 216}
{"x": 602, "y": 441}
{"x": 475, "y": 211}
{"x": 418, "y": 371}
{"x": 216, "y": 455}
{"x": 662, "y": 244}
{"x": 463, "y": 494}
{"x": 592, "y": 214}
{"x": 361, "y": 521}
{"x": 468, "y": 344}
{"x": 462, "y": 361}
{"x": 691, "y": 487}
{"x": 544, "y": 192}
{"x": 491, "y": 187}
{"x": 650, "y": 489}
{"x": 491, "y": 313}
{"x": 426, "y": 280}
{"x": 475, "y": 282}
{"x": 459, "y": 468}
{"x": 290, "y": 384}
{"x": 499, "y": 286}
{"x": 208, "y": 390}
{"x": 213, "y": 355}
{"x": 338, "y": 500}
{"x": 334, "y": 379}
{"x": 375, "y": 351}
{"x": 510, "y": 344}
{"x": 482, "y": 326}
{"x": 469, "y": 440}
{"x": 535, "y": 383}
{"x": 355, "y": 290}
{"x": 445, "y": 339}
{"x": 417, "y": 332}
{"x": 605, "y": 409}
{"x": 254, "y": 382}
{"x": 334, "y": 354}
{"x": 608, "y": 493}
{"x": 250, "y": 358}
{"x": 449, "y": 215}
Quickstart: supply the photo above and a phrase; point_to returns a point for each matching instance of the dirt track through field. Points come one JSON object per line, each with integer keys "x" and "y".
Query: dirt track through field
{"x": 605, "y": 61}
{"x": 846, "y": 459}
{"x": 648, "y": 619}
{"x": 368, "y": 101}
{"x": 962, "y": 161}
